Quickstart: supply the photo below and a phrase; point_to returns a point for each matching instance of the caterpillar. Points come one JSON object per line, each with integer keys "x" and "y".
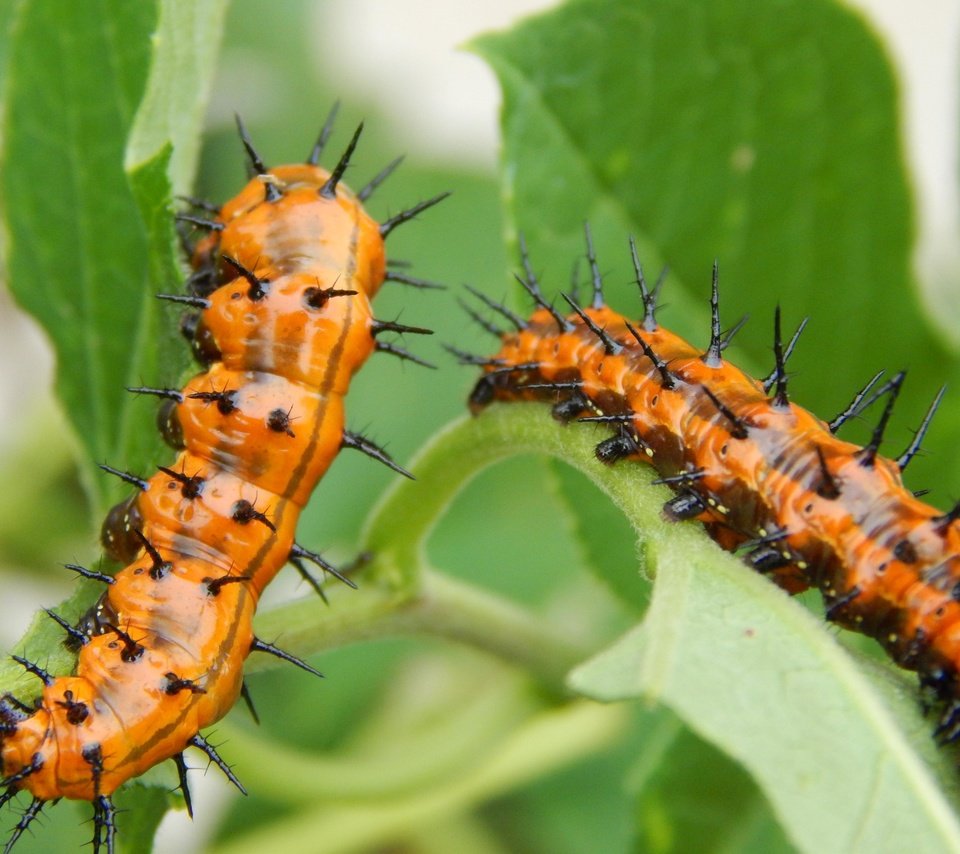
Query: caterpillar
{"x": 279, "y": 318}
{"x": 764, "y": 475}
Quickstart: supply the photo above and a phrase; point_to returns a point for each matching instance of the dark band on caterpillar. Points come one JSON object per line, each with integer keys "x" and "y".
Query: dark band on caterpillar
{"x": 765, "y": 475}
{"x": 278, "y": 333}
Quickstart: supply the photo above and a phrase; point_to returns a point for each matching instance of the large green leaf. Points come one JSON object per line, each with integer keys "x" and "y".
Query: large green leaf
{"x": 77, "y": 252}
{"x": 756, "y": 675}
{"x": 761, "y": 134}
{"x": 85, "y": 258}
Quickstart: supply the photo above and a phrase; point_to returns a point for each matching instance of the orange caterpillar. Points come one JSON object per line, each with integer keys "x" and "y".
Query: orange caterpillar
{"x": 764, "y": 475}
{"x": 281, "y": 292}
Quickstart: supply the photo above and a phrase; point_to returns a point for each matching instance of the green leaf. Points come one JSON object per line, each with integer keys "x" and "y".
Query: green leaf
{"x": 77, "y": 253}
{"x": 762, "y": 134}
{"x": 43, "y": 642}
{"x": 89, "y": 246}
{"x": 185, "y": 48}
{"x": 757, "y": 675}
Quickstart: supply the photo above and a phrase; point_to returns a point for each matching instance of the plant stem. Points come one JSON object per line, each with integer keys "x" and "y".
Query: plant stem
{"x": 441, "y": 607}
